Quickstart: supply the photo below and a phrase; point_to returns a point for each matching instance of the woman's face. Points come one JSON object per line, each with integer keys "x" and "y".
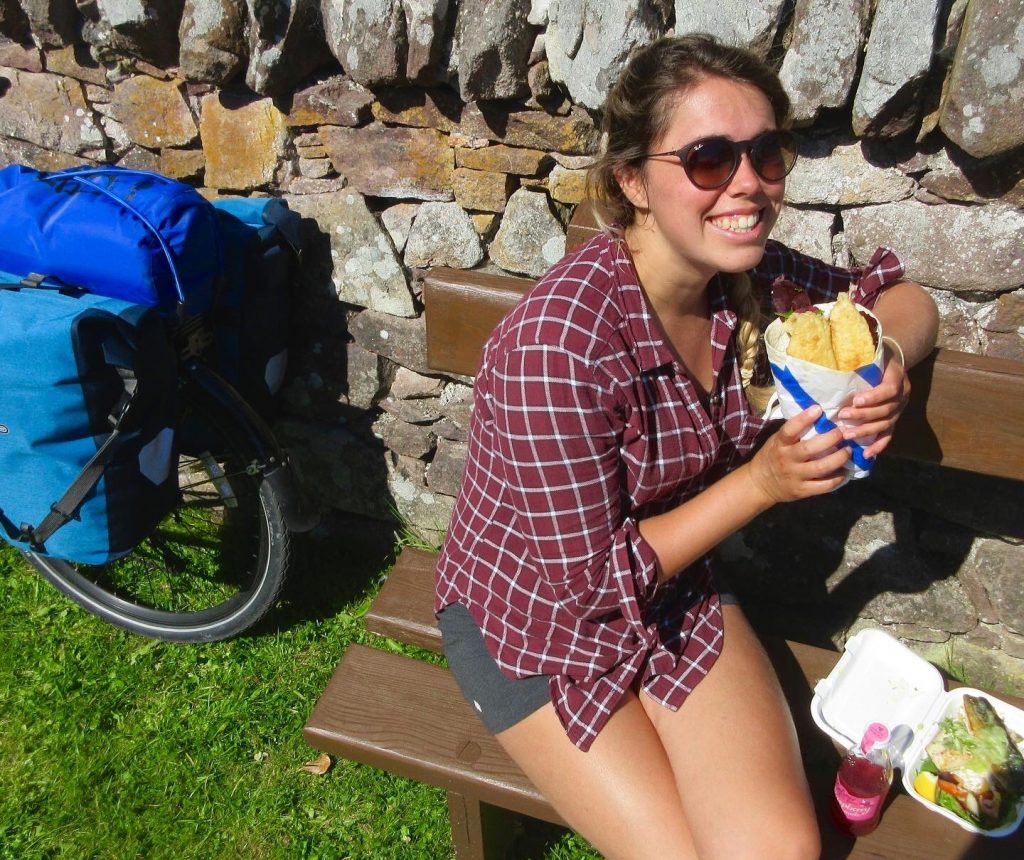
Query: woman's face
{"x": 705, "y": 232}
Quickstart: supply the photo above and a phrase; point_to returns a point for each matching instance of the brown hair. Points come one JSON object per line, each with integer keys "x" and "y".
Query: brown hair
{"x": 637, "y": 113}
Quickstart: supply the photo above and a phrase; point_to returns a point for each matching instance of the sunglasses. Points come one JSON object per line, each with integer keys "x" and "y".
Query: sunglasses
{"x": 712, "y": 162}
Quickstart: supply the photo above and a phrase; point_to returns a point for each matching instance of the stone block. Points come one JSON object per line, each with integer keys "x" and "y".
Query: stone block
{"x": 820, "y": 66}
{"x": 336, "y": 101}
{"x": 243, "y": 141}
{"x": 153, "y": 113}
{"x": 983, "y": 112}
{"x": 499, "y": 158}
{"x": 444, "y": 472}
{"x": 567, "y": 186}
{"x": 404, "y": 341}
{"x": 392, "y": 162}
{"x": 482, "y": 190}
{"x": 530, "y": 238}
{"x": 49, "y": 111}
{"x": 427, "y": 511}
{"x": 409, "y": 440}
{"x": 574, "y": 134}
{"x": 442, "y": 234}
{"x": 347, "y": 247}
{"x": 981, "y": 247}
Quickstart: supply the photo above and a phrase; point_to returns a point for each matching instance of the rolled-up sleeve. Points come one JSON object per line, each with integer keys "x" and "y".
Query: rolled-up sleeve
{"x": 557, "y": 443}
{"x": 823, "y": 282}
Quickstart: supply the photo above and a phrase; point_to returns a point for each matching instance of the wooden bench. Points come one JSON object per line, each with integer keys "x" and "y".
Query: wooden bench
{"x": 408, "y": 717}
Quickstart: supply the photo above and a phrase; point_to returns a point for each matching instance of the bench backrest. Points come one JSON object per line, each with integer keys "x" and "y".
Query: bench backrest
{"x": 966, "y": 411}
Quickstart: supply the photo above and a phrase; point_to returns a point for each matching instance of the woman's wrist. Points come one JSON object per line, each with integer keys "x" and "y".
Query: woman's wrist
{"x": 759, "y": 484}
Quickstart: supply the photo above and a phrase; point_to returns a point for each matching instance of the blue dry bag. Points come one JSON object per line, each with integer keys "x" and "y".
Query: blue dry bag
{"x": 126, "y": 234}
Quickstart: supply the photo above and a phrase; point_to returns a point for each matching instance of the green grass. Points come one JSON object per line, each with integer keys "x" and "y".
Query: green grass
{"x": 116, "y": 746}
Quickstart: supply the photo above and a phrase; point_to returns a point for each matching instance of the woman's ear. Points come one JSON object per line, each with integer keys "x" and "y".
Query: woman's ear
{"x": 631, "y": 181}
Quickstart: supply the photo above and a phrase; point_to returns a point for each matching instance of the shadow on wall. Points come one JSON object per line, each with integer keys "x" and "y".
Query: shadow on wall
{"x": 327, "y": 428}
{"x": 894, "y": 549}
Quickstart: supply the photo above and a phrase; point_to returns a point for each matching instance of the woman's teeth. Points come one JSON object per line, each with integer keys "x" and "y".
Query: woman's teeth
{"x": 737, "y": 223}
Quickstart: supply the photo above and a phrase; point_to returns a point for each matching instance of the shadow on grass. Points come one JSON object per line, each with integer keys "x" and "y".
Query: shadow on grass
{"x": 341, "y": 562}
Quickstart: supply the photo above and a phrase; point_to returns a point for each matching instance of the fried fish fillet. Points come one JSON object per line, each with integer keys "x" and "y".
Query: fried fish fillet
{"x": 852, "y": 343}
{"x": 810, "y": 339}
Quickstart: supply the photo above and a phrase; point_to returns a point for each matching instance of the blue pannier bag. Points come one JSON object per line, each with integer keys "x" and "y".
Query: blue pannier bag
{"x": 261, "y": 241}
{"x": 88, "y": 465}
{"x": 126, "y": 234}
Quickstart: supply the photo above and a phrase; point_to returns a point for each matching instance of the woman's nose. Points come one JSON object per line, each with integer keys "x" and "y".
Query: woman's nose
{"x": 745, "y": 179}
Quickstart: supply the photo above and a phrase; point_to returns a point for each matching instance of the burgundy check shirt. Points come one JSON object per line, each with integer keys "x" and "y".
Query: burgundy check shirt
{"x": 583, "y": 425}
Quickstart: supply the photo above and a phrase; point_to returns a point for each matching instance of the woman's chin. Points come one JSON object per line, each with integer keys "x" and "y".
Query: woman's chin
{"x": 736, "y": 260}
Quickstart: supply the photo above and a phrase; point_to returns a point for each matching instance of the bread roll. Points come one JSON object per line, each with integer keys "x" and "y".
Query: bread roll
{"x": 852, "y": 343}
{"x": 810, "y": 339}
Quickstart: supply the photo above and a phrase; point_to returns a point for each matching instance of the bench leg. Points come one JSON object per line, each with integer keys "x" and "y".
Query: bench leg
{"x": 480, "y": 831}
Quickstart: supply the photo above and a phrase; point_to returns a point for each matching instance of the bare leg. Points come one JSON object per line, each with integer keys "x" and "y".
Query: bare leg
{"x": 620, "y": 795}
{"x": 735, "y": 756}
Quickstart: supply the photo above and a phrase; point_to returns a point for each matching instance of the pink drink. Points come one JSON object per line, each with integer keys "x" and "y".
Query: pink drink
{"x": 862, "y": 783}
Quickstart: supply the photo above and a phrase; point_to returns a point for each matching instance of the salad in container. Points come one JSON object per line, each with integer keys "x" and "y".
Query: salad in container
{"x": 961, "y": 751}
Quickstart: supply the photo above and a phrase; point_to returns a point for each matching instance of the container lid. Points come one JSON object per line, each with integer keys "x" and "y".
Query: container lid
{"x": 877, "y": 680}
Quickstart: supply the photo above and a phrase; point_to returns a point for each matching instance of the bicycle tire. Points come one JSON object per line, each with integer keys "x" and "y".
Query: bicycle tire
{"x": 214, "y": 566}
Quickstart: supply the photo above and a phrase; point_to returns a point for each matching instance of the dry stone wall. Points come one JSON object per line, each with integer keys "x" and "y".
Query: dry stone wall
{"x": 419, "y": 133}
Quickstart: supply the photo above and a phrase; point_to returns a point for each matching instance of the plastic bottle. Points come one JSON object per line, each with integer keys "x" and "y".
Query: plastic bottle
{"x": 862, "y": 783}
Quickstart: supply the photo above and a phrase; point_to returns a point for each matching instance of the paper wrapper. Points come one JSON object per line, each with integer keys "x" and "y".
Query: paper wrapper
{"x": 800, "y": 384}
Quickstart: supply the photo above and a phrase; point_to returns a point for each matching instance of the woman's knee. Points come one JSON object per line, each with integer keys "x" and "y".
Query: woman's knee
{"x": 799, "y": 841}
{"x": 794, "y": 837}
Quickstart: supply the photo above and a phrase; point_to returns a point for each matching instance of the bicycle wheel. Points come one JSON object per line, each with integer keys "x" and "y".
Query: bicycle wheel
{"x": 214, "y": 566}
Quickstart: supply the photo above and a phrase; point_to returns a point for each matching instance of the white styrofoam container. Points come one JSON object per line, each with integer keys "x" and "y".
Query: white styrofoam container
{"x": 878, "y": 679}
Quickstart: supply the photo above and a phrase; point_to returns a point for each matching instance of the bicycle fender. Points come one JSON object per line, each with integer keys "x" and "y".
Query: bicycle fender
{"x": 260, "y": 446}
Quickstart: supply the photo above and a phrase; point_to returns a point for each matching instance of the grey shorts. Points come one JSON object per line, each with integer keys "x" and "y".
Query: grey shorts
{"x": 500, "y": 701}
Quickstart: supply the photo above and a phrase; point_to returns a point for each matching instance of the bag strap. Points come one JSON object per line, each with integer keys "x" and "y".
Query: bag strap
{"x": 12, "y": 531}
{"x": 66, "y": 507}
{"x": 35, "y": 281}
{"x": 79, "y": 177}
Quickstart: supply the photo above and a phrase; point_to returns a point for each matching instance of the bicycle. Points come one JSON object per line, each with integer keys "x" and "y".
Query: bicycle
{"x": 216, "y": 563}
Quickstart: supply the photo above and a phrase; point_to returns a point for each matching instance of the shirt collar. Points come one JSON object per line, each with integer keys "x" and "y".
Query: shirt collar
{"x": 651, "y": 350}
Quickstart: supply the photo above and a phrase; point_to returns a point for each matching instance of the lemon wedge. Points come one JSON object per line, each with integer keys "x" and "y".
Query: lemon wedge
{"x": 925, "y": 784}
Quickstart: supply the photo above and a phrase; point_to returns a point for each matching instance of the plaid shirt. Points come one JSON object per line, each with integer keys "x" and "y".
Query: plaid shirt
{"x": 584, "y": 424}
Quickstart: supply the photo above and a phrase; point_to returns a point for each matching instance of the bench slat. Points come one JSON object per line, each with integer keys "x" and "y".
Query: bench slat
{"x": 408, "y": 717}
{"x": 966, "y": 412}
{"x": 404, "y": 607}
{"x": 462, "y": 308}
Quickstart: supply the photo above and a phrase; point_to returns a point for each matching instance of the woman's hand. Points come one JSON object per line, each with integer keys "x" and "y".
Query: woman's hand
{"x": 877, "y": 409}
{"x": 788, "y": 468}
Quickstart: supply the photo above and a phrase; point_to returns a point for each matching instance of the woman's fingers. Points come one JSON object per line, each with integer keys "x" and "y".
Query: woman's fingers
{"x": 883, "y": 402}
{"x": 793, "y": 429}
{"x": 790, "y": 467}
{"x": 791, "y": 433}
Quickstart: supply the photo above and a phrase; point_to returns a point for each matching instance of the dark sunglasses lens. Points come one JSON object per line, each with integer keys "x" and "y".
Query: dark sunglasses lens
{"x": 773, "y": 155}
{"x": 710, "y": 163}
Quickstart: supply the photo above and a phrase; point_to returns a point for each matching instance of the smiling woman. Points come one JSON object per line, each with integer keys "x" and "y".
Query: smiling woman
{"x": 616, "y": 440}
